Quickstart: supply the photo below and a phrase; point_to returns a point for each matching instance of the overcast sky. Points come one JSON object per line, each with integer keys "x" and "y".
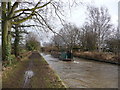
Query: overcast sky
{"x": 78, "y": 14}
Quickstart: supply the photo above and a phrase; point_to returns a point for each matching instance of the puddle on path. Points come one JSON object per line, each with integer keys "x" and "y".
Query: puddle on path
{"x": 27, "y": 77}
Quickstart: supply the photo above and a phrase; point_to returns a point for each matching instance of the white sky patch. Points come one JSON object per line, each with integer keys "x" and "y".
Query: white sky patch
{"x": 78, "y": 14}
{"x": 112, "y": 6}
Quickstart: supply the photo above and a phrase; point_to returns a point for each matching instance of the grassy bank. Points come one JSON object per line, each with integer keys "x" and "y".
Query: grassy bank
{"x": 99, "y": 56}
{"x": 44, "y": 76}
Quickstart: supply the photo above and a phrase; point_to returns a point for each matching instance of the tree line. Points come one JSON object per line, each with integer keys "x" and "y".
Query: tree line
{"x": 96, "y": 34}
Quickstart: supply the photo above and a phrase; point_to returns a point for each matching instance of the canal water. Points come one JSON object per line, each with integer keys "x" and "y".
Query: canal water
{"x": 82, "y": 73}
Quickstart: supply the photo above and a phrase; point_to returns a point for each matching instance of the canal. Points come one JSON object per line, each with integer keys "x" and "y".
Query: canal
{"x": 82, "y": 73}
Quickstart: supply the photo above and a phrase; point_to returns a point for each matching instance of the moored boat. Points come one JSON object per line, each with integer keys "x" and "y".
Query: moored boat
{"x": 66, "y": 56}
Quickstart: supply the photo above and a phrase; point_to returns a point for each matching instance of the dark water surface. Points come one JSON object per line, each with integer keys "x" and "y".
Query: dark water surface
{"x": 82, "y": 73}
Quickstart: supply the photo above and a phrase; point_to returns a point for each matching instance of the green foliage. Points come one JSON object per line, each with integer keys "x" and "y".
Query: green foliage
{"x": 32, "y": 45}
{"x": 12, "y": 60}
{"x": 22, "y": 50}
{"x": 8, "y": 51}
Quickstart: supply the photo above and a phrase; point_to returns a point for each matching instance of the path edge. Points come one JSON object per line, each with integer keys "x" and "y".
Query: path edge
{"x": 54, "y": 72}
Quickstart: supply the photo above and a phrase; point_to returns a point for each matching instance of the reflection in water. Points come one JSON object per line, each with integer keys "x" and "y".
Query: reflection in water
{"x": 76, "y": 62}
{"x": 83, "y": 73}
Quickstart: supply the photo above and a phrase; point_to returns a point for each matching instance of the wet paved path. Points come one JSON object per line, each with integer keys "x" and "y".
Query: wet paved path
{"x": 83, "y": 73}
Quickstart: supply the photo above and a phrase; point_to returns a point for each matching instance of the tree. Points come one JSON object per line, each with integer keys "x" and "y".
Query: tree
{"x": 99, "y": 20}
{"x": 32, "y": 43}
{"x": 88, "y": 38}
{"x": 113, "y": 43}
{"x": 68, "y": 37}
{"x": 17, "y": 35}
{"x": 16, "y": 41}
{"x": 9, "y": 14}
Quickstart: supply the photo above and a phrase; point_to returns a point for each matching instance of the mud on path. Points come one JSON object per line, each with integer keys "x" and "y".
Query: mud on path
{"x": 32, "y": 73}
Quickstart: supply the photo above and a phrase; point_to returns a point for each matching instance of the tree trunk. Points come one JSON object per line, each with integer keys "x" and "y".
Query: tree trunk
{"x": 4, "y": 31}
{"x": 6, "y": 36}
{"x": 16, "y": 42}
{"x": 6, "y": 41}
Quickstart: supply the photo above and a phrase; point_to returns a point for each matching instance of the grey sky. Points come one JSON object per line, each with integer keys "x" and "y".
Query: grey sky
{"x": 78, "y": 15}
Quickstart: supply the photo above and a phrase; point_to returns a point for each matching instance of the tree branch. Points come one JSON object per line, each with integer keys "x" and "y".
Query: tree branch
{"x": 50, "y": 27}
{"x": 33, "y": 8}
{"x": 30, "y": 16}
{"x": 15, "y": 5}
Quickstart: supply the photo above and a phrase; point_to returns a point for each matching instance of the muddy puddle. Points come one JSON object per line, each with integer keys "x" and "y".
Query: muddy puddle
{"x": 82, "y": 73}
{"x": 27, "y": 77}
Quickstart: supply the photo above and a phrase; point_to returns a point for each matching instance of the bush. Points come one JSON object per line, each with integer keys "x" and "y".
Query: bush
{"x": 32, "y": 45}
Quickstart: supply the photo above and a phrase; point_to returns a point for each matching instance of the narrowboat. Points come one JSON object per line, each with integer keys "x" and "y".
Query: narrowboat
{"x": 66, "y": 56}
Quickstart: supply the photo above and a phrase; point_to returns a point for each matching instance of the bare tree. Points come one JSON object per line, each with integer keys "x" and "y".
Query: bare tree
{"x": 100, "y": 22}
{"x": 88, "y": 38}
{"x": 69, "y": 36}
{"x": 113, "y": 43}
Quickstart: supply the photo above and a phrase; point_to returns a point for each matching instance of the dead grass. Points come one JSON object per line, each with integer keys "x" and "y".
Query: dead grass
{"x": 104, "y": 56}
